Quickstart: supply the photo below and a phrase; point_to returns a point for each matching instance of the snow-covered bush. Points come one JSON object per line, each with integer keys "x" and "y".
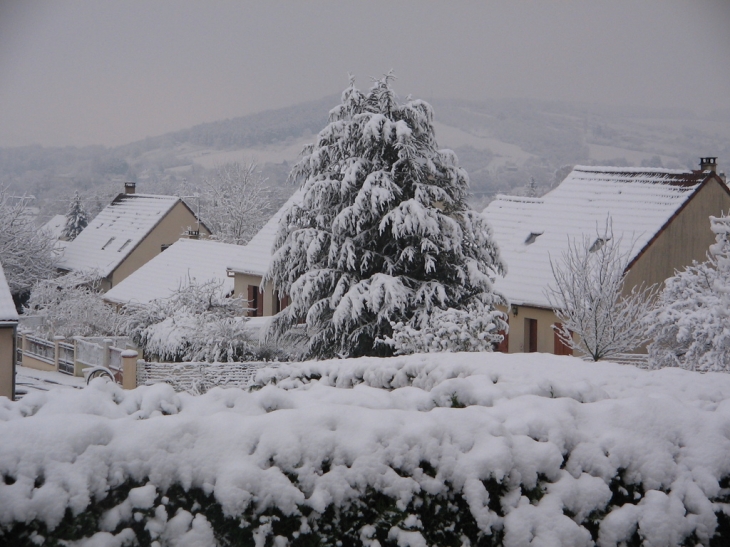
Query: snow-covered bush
{"x": 689, "y": 328}
{"x": 599, "y": 317}
{"x": 441, "y": 450}
{"x": 383, "y": 233}
{"x": 26, "y": 253}
{"x": 472, "y": 329}
{"x": 198, "y": 322}
{"x": 76, "y": 219}
{"x": 72, "y": 305}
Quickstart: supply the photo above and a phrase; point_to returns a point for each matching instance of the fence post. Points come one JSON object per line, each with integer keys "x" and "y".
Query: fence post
{"x": 106, "y": 344}
{"x": 129, "y": 369}
{"x": 23, "y": 345}
{"x": 57, "y": 349}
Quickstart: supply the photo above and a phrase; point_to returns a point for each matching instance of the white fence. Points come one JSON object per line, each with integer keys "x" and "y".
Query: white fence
{"x": 72, "y": 356}
{"x": 199, "y": 377}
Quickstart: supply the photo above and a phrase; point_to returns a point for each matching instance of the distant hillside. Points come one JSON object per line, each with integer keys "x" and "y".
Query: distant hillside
{"x": 502, "y": 144}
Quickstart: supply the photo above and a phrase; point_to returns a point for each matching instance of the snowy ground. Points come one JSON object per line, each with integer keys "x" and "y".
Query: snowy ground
{"x": 565, "y": 445}
{"x": 29, "y": 380}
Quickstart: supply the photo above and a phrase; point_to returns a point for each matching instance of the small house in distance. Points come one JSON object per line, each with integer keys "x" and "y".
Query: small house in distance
{"x": 249, "y": 266}
{"x": 186, "y": 261}
{"x": 8, "y": 331}
{"x": 128, "y": 233}
{"x": 664, "y": 213}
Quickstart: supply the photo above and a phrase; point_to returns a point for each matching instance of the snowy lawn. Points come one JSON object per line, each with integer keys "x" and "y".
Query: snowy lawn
{"x": 437, "y": 449}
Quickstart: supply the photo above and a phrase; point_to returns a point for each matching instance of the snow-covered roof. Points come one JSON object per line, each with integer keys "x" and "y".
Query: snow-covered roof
{"x": 184, "y": 260}
{"x": 115, "y": 232}
{"x": 54, "y": 227}
{"x": 531, "y": 230}
{"x": 254, "y": 258}
{"x": 8, "y": 313}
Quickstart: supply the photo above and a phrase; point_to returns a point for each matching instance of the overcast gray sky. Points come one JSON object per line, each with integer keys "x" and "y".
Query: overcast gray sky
{"x": 92, "y": 72}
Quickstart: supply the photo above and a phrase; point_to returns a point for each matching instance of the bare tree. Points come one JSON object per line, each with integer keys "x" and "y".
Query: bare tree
{"x": 26, "y": 253}
{"x": 235, "y": 202}
{"x": 591, "y": 300}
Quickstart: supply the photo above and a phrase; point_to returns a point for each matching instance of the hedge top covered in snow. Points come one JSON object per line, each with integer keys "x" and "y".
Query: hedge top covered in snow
{"x": 185, "y": 261}
{"x": 529, "y": 231}
{"x": 115, "y": 232}
{"x": 544, "y": 450}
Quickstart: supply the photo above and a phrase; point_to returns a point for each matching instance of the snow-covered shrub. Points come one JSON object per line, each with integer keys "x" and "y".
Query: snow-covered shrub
{"x": 472, "y": 329}
{"x": 599, "y": 317}
{"x": 198, "y": 322}
{"x": 76, "y": 219}
{"x": 72, "y": 305}
{"x": 383, "y": 233}
{"x": 440, "y": 450}
{"x": 689, "y": 328}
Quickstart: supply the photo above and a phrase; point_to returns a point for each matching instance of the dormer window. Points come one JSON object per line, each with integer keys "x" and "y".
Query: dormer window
{"x": 598, "y": 243}
{"x": 532, "y": 237}
{"x": 108, "y": 243}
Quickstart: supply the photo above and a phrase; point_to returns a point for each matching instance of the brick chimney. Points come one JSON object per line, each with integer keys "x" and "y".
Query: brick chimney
{"x": 130, "y": 187}
{"x": 708, "y": 164}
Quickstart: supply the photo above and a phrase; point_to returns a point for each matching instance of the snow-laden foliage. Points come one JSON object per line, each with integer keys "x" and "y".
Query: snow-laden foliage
{"x": 26, "y": 253}
{"x": 235, "y": 202}
{"x": 448, "y": 450}
{"x": 689, "y": 327}
{"x": 72, "y": 305}
{"x": 600, "y": 317}
{"x": 198, "y": 322}
{"x": 383, "y": 233}
{"x": 76, "y": 219}
{"x": 471, "y": 329}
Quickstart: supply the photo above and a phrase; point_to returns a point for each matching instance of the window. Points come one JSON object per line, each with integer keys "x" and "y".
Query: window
{"x": 598, "y": 243}
{"x": 281, "y": 301}
{"x": 503, "y": 346}
{"x": 532, "y": 237}
{"x": 560, "y": 347}
{"x": 108, "y": 243}
{"x": 255, "y": 302}
{"x": 530, "y": 335}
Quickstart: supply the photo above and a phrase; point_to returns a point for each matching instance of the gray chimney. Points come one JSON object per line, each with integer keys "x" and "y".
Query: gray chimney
{"x": 130, "y": 187}
{"x": 708, "y": 164}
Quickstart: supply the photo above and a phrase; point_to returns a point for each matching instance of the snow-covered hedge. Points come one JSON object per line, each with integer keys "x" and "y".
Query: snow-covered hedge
{"x": 437, "y": 449}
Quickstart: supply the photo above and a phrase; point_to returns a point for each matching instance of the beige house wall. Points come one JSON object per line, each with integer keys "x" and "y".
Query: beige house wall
{"x": 240, "y": 288}
{"x": 168, "y": 231}
{"x": 545, "y": 333}
{"x": 686, "y": 238}
{"x": 7, "y": 361}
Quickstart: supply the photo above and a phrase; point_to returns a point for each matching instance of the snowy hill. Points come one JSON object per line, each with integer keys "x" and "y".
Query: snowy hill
{"x": 438, "y": 449}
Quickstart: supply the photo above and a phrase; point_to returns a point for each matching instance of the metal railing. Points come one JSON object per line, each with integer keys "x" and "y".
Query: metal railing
{"x": 43, "y": 350}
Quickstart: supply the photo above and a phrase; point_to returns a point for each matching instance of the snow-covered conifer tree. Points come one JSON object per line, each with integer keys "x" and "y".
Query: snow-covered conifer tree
{"x": 690, "y": 325}
{"x": 76, "y": 219}
{"x": 383, "y": 234}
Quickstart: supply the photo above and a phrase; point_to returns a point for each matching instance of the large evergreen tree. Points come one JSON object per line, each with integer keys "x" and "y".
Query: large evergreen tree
{"x": 382, "y": 234}
{"x": 76, "y": 219}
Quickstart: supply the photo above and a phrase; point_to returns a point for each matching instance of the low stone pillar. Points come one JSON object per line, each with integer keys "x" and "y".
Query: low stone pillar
{"x": 57, "y": 349}
{"x": 129, "y": 369}
{"x": 106, "y": 357}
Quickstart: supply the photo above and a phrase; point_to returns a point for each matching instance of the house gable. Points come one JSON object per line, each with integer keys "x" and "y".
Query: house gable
{"x": 685, "y": 237}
